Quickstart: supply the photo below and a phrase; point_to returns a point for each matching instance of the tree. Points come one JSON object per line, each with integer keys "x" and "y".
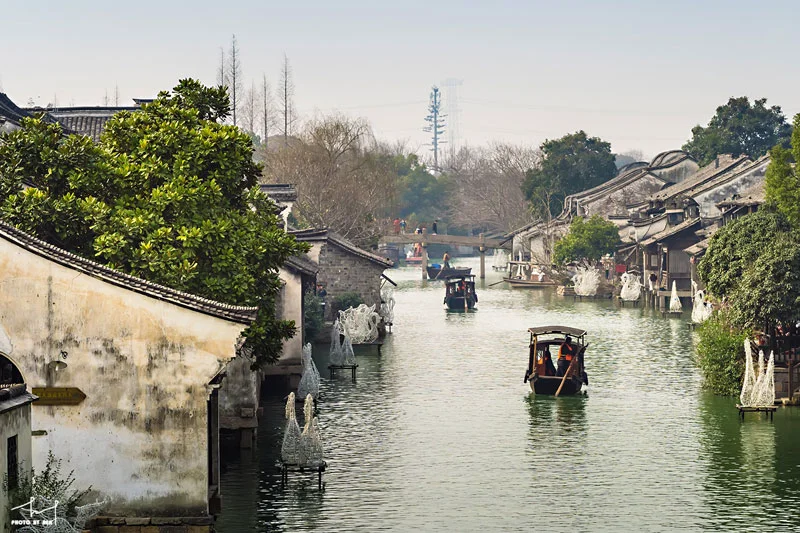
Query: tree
{"x": 345, "y": 179}
{"x": 485, "y": 186}
{"x": 782, "y": 183}
{"x": 587, "y": 239}
{"x": 267, "y": 113}
{"x": 754, "y": 264}
{"x": 570, "y": 164}
{"x": 739, "y": 127}
{"x": 422, "y": 195}
{"x": 168, "y": 194}
{"x": 234, "y": 77}
{"x": 286, "y": 101}
{"x": 734, "y": 248}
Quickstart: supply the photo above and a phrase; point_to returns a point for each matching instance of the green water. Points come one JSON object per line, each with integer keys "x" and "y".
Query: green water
{"x": 441, "y": 434}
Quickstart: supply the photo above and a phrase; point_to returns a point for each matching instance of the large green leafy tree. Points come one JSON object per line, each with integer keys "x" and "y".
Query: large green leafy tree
{"x": 754, "y": 264}
{"x": 168, "y": 194}
{"x": 783, "y": 185}
{"x": 571, "y": 164}
{"x": 423, "y": 196}
{"x": 739, "y": 127}
{"x": 587, "y": 239}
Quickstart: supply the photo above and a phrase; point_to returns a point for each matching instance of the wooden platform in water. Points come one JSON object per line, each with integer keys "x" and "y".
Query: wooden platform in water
{"x": 769, "y": 410}
{"x": 333, "y": 368}
{"x": 285, "y": 468}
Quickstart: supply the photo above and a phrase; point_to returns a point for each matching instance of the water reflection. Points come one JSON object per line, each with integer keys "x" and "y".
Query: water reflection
{"x": 439, "y": 433}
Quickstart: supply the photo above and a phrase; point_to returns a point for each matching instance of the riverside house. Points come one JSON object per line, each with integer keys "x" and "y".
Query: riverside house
{"x": 141, "y": 365}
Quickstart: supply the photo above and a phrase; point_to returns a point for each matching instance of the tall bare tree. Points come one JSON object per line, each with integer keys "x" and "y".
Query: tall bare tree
{"x": 249, "y": 110}
{"x": 267, "y": 109}
{"x": 488, "y": 186}
{"x": 234, "y": 77}
{"x": 286, "y": 101}
{"x": 344, "y": 177}
{"x": 221, "y": 70}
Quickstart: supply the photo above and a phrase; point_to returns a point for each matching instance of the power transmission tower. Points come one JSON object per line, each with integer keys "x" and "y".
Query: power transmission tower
{"x": 451, "y": 91}
{"x": 436, "y": 124}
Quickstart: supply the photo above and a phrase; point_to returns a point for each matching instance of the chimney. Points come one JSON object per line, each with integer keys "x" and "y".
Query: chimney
{"x": 716, "y": 162}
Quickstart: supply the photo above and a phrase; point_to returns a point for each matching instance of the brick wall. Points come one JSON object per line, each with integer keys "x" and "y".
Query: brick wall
{"x": 342, "y": 271}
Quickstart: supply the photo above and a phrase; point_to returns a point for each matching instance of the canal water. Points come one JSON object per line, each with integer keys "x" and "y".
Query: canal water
{"x": 439, "y": 433}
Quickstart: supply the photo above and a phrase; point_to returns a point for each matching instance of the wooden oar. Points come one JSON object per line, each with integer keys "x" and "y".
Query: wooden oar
{"x": 569, "y": 369}
{"x": 496, "y": 283}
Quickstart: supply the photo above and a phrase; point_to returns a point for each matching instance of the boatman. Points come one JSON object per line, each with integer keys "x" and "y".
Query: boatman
{"x": 565, "y": 354}
{"x": 446, "y": 260}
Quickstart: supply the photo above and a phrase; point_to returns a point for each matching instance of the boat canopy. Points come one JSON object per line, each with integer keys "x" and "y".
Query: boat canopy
{"x": 565, "y": 330}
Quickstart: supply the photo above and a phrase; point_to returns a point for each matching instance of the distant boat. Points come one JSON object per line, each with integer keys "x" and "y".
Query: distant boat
{"x": 540, "y": 372}
{"x": 436, "y": 271}
{"x": 529, "y": 283}
{"x": 459, "y": 293}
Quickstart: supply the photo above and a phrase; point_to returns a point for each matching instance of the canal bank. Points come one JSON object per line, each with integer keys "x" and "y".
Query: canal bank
{"x": 440, "y": 433}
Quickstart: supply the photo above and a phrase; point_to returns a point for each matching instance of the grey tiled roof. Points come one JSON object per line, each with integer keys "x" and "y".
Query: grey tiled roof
{"x": 90, "y": 121}
{"x": 322, "y": 235}
{"x": 280, "y": 192}
{"x": 243, "y": 315}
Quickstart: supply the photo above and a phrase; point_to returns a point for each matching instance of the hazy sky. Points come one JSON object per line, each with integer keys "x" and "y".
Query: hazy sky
{"x": 638, "y": 74}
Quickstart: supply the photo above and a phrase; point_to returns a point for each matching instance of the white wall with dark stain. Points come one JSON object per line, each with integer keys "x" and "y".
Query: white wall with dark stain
{"x": 140, "y": 436}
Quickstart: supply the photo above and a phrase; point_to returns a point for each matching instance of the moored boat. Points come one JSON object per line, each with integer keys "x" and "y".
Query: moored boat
{"x": 529, "y": 283}
{"x": 436, "y": 271}
{"x": 545, "y": 343}
{"x": 460, "y": 293}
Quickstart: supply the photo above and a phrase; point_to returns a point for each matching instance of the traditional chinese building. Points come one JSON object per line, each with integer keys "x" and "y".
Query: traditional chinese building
{"x": 128, "y": 373}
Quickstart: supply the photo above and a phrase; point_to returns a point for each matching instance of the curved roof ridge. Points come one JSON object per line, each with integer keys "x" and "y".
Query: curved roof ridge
{"x": 58, "y": 255}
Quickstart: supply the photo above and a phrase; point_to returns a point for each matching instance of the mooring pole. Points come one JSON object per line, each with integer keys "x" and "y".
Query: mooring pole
{"x": 424, "y": 247}
{"x": 482, "y": 249}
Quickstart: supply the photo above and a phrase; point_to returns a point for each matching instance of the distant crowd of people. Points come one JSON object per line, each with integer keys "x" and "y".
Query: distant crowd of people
{"x": 399, "y": 225}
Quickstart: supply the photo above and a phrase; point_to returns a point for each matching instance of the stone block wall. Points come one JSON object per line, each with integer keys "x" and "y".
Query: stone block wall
{"x": 342, "y": 271}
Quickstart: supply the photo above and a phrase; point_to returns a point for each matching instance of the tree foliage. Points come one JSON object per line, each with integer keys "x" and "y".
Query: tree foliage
{"x": 734, "y": 248}
{"x": 587, "y": 239}
{"x": 783, "y": 184}
{"x": 720, "y": 354}
{"x": 739, "y": 127}
{"x": 422, "y": 196}
{"x": 168, "y": 194}
{"x": 570, "y": 164}
{"x": 754, "y": 263}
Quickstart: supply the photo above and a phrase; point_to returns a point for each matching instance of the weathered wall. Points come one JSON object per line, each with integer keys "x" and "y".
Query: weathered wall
{"x": 707, "y": 200}
{"x": 14, "y": 422}
{"x": 615, "y": 202}
{"x": 677, "y": 173}
{"x": 291, "y": 308}
{"x": 140, "y": 436}
{"x": 341, "y": 271}
{"x": 238, "y": 395}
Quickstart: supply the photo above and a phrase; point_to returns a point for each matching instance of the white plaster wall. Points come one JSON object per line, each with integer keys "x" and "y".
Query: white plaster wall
{"x": 14, "y": 422}
{"x": 679, "y": 172}
{"x": 707, "y": 200}
{"x": 144, "y": 365}
{"x": 292, "y": 309}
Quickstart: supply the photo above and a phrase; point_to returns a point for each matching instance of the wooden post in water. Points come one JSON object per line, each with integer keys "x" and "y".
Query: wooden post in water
{"x": 424, "y": 261}
{"x": 482, "y": 249}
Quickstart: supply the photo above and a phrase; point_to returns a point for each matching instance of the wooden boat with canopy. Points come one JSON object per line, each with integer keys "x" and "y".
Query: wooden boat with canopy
{"x": 460, "y": 293}
{"x": 543, "y": 350}
{"x": 437, "y": 271}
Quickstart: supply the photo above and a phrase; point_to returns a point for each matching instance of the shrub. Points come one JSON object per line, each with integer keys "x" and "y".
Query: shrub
{"x": 720, "y": 354}
{"x": 347, "y": 300}
{"x": 313, "y": 315}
